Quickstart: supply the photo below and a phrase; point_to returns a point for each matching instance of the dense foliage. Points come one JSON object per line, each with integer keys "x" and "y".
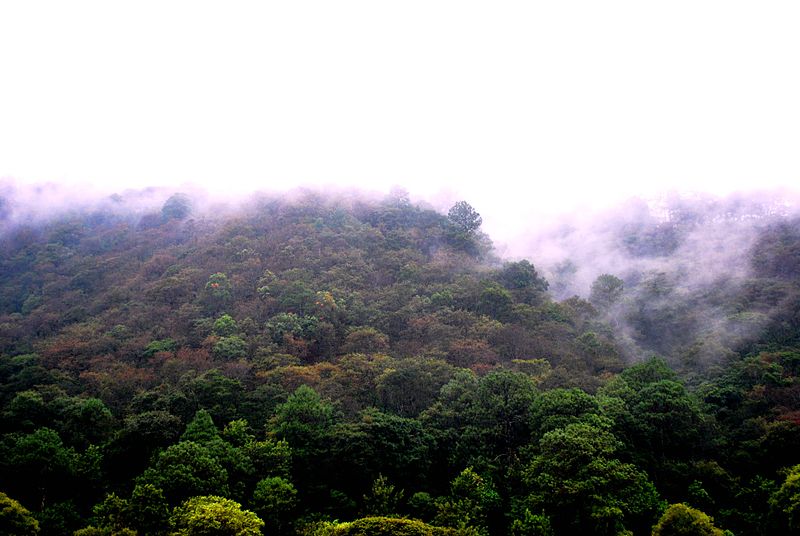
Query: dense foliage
{"x": 323, "y": 366}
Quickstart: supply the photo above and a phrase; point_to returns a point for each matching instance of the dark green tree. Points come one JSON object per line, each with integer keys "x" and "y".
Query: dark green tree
{"x": 579, "y": 483}
{"x": 464, "y": 218}
{"x": 184, "y": 470}
{"x": 274, "y": 500}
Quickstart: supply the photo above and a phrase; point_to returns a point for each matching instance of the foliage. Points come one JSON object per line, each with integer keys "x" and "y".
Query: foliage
{"x": 274, "y": 500}
{"x": 682, "y": 520}
{"x": 15, "y": 518}
{"x": 785, "y": 502}
{"x": 312, "y": 357}
{"x": 214, "y": 516}
{"x": 464, "y": 217}
{"x": 381, "y": 526}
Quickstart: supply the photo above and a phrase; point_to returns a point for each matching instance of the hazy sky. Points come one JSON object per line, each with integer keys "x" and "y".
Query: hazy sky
{"x": 507, "y": 104}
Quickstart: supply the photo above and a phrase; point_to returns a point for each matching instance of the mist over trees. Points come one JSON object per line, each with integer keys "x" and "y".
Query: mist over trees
{"x": 341, "y": 364}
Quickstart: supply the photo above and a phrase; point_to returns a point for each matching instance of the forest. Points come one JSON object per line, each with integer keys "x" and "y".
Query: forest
{"x": 338, "y": 364}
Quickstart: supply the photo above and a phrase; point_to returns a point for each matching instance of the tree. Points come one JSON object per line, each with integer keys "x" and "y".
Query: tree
{"x": 113, "y": 514}
{"x": 382, "y": 526}
{"x": 495, "y": 301}
{"x": 230, "y": 348}
{"x": 184, "y": 470}
{"x": 367, "y": 340}
{"x": 201, "y": 429}
{"x": 382, "y": 498}
{"x": 559, "y": 407}
{"x": 580, "y": 484}
{"x": 142, "y": 434}
{"x": 412, "y": 384}
{"x": 149, "y": 511}
{"x": 785, "y": 502}
{"x": 471, "y": 503}
{"x": 304, "y": 421}
{"x": 464, "y": 218}
{"x": 682, "y": 520}
{"x": 218, "y": 290}
{"x": 177, "y": 207}
{"x": 214, "y": 516}
{"x": 38, "y": 466}
{"x": 225, "y": 326}
{"x": 606, "y": 291}
{"x": 274, "y": 500}
{"x": 532, "y": 525}
{"x": 87, "y": 421}
{"x": 15, "y": 518}
{"x": 498, "y": 418}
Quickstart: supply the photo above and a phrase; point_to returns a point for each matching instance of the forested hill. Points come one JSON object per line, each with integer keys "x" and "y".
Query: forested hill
{"x": 331, "y": 365}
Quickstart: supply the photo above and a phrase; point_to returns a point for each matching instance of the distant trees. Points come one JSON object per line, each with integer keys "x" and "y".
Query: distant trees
{"x": 606, "y": 291}
{"x": 177, "y": 207}
{"x": 312, "y": 360}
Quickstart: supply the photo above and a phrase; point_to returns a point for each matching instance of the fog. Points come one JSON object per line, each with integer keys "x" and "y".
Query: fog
{"x": 527, "y": 110}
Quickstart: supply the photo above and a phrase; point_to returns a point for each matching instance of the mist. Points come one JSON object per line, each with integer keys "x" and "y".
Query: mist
{"x": 684, "y": 260}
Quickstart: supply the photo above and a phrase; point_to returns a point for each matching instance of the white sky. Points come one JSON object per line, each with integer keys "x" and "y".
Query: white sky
{"x": 519, "y": 107}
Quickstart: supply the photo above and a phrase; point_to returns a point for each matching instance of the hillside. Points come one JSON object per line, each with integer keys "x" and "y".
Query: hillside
{"x": 336, "y": 357}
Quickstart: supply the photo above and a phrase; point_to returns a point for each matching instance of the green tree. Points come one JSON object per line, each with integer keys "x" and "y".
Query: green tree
{"x": 413, "y": 384}
{"x": 16, "y": 519}
{"x": 531, "y": 525}
{"x": 559, "y": 407}
{"x": 498, "y": 417}
{"x": 305, "y": 421}
{"x": 184, "y": 470}
{"x": 149, "y": 511}
{"x": 269, "y": 457}
{"x": 366, "y": 339}
{"x": 37, "y": 466}
{"x": 682, "y": 520}
{"x": 218, "y": 290}
{"x": 201, "y": 429}
{"x": 290, "y": 324}
{"x": 382, "y": 526}
{"x": 471, "y": 503}
{"x": 464, "y": 218}
{"x": 785, "y": 503}
{"x": 495, "y": 301}
{"x": 225, "y": 326}
{"x": 113, "y": 513}
{"x": 606, "y": 291}
{"x": 214, "y": 516}
{"x": 274, "y": 500}
{"x": 230, "y": 348}
{"x": 580, "y": 484}
{"x": 140, "y": 436}
{"x": 87, "y": 421}
{"x": 382, "y": 498}
{"x": 162, "y": 345}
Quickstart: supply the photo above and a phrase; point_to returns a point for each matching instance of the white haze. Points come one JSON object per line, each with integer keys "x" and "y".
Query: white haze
{"x": 525, "y": 109}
